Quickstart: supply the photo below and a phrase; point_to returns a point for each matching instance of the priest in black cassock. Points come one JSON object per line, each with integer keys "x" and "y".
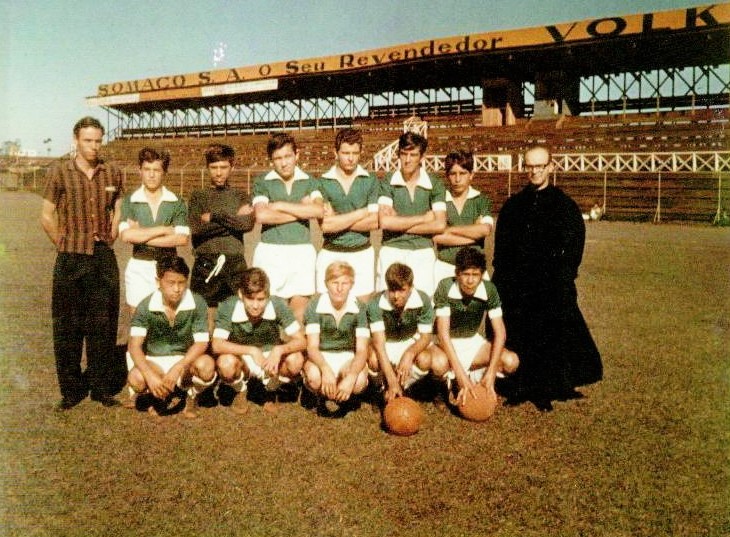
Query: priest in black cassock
{"x": 538, "y": 247}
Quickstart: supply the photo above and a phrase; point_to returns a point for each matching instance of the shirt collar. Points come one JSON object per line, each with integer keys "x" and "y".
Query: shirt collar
{"x": 332, "y": 172}
{"x": 414, "y": 301}
{"x": 324, "y": 305}
{"x": 139, "y": 197}
{"x": 424, "y": 180}
{"x": 471, "y": 193}
{"x": 455, "y": 292}
{"x": 100, "y": 164}
{"x": 298, "y": 175}
{"x": 240, "y": 316}
{"x": 186, "y": 304}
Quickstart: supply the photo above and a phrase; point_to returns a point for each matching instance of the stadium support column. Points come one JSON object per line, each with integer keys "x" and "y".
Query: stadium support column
{"x": 556, "y": 93}
{"x": 502, "y": 102}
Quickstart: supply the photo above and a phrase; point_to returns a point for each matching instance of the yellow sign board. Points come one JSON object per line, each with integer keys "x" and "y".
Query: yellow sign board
{"x": 240, "y": 79}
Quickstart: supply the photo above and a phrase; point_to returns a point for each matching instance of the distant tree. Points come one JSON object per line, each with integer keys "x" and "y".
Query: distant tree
{"x": 10, "y": 148}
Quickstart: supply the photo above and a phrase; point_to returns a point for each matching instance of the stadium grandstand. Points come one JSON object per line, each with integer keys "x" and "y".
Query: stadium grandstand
{"x": 635, "y": 109}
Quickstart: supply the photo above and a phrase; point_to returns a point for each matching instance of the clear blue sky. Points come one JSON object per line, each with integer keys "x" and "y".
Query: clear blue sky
{"x": 54, "y": 53}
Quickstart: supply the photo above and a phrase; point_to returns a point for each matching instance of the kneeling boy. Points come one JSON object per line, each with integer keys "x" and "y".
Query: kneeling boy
{"x": 248, "y": 339}
{"x": 460, "y": 303}
{"x": 401, "y": 323}
{"x": 169, "y": 338}
{"x": 337, "y": 338}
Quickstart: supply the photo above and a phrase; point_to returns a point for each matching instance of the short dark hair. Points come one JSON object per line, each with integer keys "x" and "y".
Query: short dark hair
{"x": 468, "y": 257}
{"x": 398, "y": 276}
{"x": 348, "y": 136}
{"x": 254, "y": 280}
{"x": 147, "y": 154}
{"x": 172, "y": 263}
{"x": 279, "y": 140}
{"x": 218, "y": 153}
{"x": 411, "y": 140}
{"x": 85, "y": 122}
{"x": 462, "y": 157}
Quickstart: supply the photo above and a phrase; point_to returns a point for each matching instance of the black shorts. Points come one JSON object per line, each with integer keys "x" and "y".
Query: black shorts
{"x": 220, "y": 286}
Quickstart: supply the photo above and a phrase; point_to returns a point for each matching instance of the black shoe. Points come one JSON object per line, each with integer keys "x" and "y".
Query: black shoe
{"x": 345, "y": 407}
{"x": 308, "y": 399}
{"x": 515, "y": 399}
{"x": 289, "y": 392}
{"x": 543, "y": 405}
{"x": 106, "y": 400}
{"x": 570, "y": 394}
{"x": 65, "y": 404}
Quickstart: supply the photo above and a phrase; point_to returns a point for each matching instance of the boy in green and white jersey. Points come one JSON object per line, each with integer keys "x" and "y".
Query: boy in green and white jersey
{"x": 284, "y": 201}
{"x": 350, "y": 197}
{"x": 169, "y": 338}
{"x": 401, "y": 325}
{"x": 248, "y": 339}
{"x": 337, "y": 338}
{"x": 412, "y": 210}
{"x": 468, "y": 214}
{"x": 461, "y": 303}
{"x": 154, "y": 220}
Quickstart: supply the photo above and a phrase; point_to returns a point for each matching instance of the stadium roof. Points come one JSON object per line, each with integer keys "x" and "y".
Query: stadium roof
{"x": 686, "y": 37}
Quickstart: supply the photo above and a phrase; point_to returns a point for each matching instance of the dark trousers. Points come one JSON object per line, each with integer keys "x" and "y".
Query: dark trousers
{"x": 85, "y": 307}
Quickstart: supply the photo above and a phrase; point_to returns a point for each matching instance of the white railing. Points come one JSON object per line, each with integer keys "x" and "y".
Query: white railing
{"x": 671, "y": 162}
{"x": 674, "y": 162}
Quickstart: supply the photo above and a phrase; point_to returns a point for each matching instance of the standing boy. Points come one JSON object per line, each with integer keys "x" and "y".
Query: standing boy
{"x": 285, "y": 200}
{"x": 154, "y": 221}
{"x": 219, "y": 216}
{"x": 412, "y": 210}
{"x": 168, "y": 339}
{"x": 350, "y": 196}
{"x": 468, "y": 214}
{"x": 248, "y": 339}
{"x": 80, "y": 215}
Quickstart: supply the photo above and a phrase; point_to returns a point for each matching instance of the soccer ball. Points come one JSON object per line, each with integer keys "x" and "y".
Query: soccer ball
{"x": 480, "y": 407}
{"x": 403, "y": 416}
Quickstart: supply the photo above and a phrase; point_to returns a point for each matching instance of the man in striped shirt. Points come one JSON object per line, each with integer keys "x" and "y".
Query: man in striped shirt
{"x": 80, "y": 215}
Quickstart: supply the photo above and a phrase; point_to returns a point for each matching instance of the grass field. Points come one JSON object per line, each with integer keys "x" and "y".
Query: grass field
{"x": 646, "y": 453}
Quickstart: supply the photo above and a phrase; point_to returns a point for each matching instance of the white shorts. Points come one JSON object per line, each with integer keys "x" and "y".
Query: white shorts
{"x": 290, "y": 267}
{"x": 442, "y": 269}
{"x": 466, "y": 349}
{"x": 163, "y": 362}
{"x": 363, "y": 262}
{"x": 337, "y": 360}
{"x": 421, "y": 262}
{"x": 395, "y": 350}
{"x": 140, "y": 280}
{"x": 258, "y": 372}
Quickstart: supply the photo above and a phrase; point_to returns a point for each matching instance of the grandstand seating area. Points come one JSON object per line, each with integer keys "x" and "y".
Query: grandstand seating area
{"x": 639, "y": 196}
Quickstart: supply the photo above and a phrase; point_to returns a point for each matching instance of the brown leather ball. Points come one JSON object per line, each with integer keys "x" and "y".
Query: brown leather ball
{"x": 403, "y": 416}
